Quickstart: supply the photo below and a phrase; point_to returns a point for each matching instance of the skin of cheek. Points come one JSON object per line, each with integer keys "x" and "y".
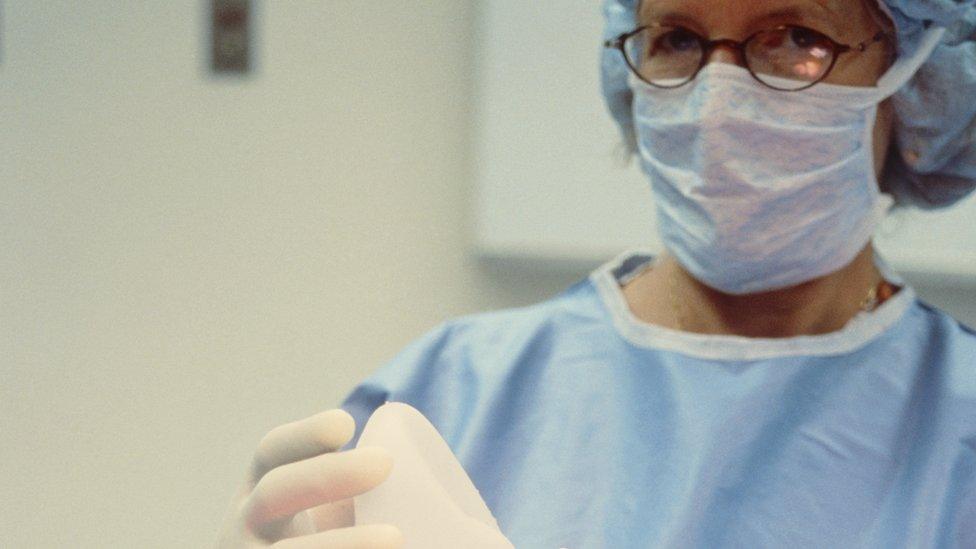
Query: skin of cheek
{"x": 882, "y": 135}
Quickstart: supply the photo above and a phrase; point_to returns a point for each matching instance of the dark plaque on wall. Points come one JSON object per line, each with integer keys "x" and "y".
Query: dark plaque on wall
{"x": 230, "y": 31}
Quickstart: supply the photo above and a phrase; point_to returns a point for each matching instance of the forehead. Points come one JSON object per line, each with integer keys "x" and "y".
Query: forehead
{"x": 833, "y": 7}
{"x": 843, "y": 19}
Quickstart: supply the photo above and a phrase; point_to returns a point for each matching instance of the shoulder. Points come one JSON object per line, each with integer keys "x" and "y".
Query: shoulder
{"x": 949, "y": 348}
{"x": 455, "y": 342}
{"x": 946, "y": 334}
{"x": 577, "y": 308}
{"x": 458, "y": 363}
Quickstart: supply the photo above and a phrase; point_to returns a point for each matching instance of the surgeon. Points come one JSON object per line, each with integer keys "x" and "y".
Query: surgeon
{"x": 768, "y": 381}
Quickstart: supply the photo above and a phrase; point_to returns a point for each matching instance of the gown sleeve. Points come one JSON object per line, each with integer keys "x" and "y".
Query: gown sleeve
{"x": 959, "y": 508}
{"x": 428, "y": 374}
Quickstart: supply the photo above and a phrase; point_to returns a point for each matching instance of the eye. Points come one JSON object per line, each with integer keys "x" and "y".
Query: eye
{"x": 808, "y": 39}
{"x": 677, "y": 41}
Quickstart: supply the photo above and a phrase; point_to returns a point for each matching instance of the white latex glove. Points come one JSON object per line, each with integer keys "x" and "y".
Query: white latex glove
{"x": 298, "y": 493}
{"x": 429, "y": 496}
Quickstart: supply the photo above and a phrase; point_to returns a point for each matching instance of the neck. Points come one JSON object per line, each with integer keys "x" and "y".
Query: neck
{"x": 818, "y": 306}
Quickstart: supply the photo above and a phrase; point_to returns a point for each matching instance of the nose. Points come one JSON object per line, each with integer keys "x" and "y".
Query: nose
{"x": 723, "y": 52}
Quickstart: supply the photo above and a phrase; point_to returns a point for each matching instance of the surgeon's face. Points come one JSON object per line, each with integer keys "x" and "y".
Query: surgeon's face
{"x": 846, "y": 21}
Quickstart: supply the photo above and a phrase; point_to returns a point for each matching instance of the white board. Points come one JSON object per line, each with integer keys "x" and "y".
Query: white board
{"x": 550, "y": 188}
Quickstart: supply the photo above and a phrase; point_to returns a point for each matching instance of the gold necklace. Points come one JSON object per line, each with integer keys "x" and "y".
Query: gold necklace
{"x": 878, "y": 294}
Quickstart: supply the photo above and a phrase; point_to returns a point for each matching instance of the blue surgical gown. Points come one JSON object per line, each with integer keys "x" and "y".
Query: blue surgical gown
{"x": 584, "y": 427}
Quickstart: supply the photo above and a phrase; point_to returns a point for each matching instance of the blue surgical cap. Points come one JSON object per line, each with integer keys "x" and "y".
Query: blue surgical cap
{"x": 932, "y": 163}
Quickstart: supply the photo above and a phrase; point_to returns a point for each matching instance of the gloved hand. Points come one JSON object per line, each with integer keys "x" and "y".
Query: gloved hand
{"x": 298, "y": 493}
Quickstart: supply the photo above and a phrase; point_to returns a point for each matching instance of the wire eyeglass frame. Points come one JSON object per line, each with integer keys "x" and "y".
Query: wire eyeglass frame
{"x": 708, "y": 46}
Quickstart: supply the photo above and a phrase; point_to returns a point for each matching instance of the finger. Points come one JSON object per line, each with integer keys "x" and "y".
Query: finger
{"x": 292, "y": 488}
{"x": 324, "y": 432}
{"x": 367, "y": 536}
{"x": 336, "y": 514}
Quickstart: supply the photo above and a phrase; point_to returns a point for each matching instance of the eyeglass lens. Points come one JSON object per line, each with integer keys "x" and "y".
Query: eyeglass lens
{"x": 787, "y": 58}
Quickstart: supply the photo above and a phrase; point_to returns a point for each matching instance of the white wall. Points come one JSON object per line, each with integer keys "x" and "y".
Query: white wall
{"x": 186, "y": 262}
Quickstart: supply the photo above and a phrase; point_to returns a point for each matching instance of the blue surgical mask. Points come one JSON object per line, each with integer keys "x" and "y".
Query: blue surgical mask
{"x": 758, "y": 189}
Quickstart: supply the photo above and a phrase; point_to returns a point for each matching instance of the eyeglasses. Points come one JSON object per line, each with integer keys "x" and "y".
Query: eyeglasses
{"x": 785, "y": 58}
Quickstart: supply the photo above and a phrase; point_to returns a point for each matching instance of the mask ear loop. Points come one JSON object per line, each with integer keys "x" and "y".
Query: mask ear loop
{"x": 904, "y": 68}
{"x": 882, "y": 16}
{"x": 883, "y": 202}
{"x": 625, "y": 150}
{"x": 885, "y": 20}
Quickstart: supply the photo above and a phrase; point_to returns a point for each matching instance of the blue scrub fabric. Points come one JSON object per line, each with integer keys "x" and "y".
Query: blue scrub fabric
{"x": 584, "y": 427}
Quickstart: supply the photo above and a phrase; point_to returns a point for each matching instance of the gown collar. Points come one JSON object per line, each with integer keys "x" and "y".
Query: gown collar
{"x": 857, "y": 333}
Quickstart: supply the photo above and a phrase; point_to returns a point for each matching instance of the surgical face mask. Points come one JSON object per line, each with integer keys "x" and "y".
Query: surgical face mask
{"x": 758, "y": 189}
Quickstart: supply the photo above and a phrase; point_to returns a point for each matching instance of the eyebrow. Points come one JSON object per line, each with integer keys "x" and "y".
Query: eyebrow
{"x": 800, "y": 12}
{"x": 823, "y": 12}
